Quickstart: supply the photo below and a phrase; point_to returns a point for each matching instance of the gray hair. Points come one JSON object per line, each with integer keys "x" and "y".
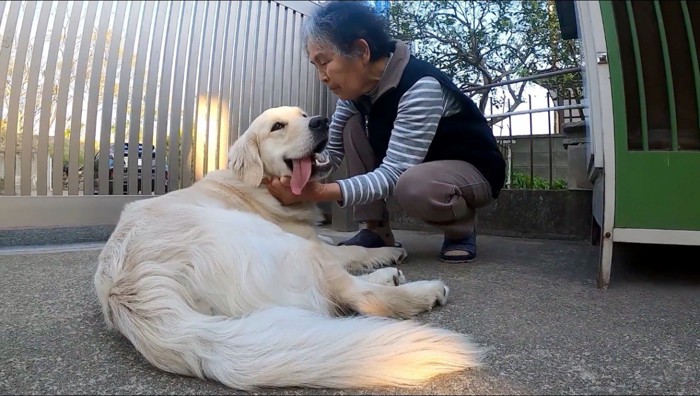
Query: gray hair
{"x": 315, "y": 30}
{"x": 339, "y": 24}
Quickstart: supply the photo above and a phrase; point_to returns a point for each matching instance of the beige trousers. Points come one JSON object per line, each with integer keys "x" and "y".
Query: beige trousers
{"x": 444, "y": 194}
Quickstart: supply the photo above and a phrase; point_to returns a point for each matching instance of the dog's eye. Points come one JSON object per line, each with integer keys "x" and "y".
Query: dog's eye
{"x": 304, "y": 115}
{"x": 277, "y": 126}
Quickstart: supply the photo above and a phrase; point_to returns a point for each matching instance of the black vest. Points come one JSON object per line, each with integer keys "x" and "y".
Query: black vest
{"x": 464, "y": 136}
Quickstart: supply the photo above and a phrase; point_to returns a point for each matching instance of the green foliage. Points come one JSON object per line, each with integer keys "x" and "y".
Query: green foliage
{"x": 483, "y": 42}
{"x": 519, "y": 180}
{"x": 559, "y": 54}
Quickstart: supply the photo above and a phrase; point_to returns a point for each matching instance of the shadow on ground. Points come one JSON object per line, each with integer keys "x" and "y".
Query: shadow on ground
{"x": 657, "y": 265}
{"x": 533, "y": 302}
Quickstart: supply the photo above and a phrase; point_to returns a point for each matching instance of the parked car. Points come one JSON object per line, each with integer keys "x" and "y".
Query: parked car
{"x": 124, "y": 156}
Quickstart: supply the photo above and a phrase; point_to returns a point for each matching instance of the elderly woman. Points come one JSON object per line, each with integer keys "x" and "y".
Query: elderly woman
{"x": 404, "y": 129}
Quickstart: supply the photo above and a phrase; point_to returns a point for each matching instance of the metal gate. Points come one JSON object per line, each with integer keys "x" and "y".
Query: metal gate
{"x": 110, "y": 101}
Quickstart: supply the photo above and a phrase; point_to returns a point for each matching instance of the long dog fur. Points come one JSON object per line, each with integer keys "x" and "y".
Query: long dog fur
{"x": 220, "y": 281}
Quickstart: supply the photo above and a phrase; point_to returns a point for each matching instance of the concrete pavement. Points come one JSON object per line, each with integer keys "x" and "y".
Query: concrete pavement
{"x": 533, "y": 302}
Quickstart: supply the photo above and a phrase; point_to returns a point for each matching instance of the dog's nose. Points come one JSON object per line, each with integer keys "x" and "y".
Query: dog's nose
{"x": 318, "y": 123}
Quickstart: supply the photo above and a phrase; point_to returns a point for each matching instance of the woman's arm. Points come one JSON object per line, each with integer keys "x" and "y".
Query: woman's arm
{"x": 419, "y": 113}
{"x": 335, "y": 150}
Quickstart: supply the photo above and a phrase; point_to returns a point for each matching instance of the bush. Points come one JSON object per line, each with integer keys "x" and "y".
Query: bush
{"x": 520, "y": 180}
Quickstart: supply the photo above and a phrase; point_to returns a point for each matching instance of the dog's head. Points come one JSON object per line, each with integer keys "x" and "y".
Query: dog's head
{"x": 282, "y": 141}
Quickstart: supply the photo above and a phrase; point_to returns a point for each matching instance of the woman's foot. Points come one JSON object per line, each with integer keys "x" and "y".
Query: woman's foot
{"x": 373, "y": 234}
{"x": 459, "y": 250}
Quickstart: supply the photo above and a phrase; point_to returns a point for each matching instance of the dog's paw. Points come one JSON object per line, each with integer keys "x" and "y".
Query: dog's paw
{"x": 388, "y": 276}
{"x": 402, "y": 256}
{"x": 390, "y": 256}
{"x": 426, "y": 295}
{"x": 398, "y": 278}
{"x": 369, "y": 259}
{"x": 325, "y": 239}
{"x": 436, "y": 293}
{"x": 442, "y": 297}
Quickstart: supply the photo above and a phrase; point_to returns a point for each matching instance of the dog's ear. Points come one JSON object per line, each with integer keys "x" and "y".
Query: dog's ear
{"x": 244, "y": 160}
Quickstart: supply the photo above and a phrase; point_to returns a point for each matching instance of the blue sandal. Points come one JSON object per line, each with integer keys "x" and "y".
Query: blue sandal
{"x": 466, "y": 245}
{"x": 368, "y": 239}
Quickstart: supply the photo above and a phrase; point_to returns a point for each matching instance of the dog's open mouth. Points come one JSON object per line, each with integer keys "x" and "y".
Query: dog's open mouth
{"x": 304, "y": 168}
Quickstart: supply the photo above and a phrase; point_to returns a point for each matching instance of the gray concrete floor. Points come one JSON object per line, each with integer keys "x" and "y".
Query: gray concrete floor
{"x": 533, "y": 302}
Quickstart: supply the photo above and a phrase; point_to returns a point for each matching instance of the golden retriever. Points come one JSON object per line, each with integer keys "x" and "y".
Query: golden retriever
{"x": 221, "y": 281}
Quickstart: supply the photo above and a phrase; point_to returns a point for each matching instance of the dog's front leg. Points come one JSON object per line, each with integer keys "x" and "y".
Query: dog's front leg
{"x": 358, "y": 258}
{"x": 325, "y": 239}
{"x": 388, "y": 276}
{"x": 360, "y": 295}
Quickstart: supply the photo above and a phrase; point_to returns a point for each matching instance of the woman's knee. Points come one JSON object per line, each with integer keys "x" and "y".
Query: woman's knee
{"x": 414, "y": 192}
{"x": 422, "y": 196}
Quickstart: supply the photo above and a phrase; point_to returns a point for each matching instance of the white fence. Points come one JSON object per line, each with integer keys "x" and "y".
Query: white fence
{"x": 176, "y": 81}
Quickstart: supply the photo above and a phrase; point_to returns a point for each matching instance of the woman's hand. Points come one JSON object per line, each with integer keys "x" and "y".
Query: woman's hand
{"x": 313, "y": 191}
{"x": 280, "y": 189}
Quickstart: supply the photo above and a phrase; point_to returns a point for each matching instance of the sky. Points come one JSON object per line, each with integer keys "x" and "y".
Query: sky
{"x": 520, "y": 124}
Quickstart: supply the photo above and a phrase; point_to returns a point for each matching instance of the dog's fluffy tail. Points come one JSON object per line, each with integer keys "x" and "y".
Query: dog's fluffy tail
{"x": 278, "y": 346}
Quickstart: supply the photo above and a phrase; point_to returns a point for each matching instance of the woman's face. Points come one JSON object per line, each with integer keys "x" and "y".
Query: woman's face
{"x": 346, "y": 77}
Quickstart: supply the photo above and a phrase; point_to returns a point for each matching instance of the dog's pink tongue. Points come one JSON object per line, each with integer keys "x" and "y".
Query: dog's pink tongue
{"x": 301, "y": 172}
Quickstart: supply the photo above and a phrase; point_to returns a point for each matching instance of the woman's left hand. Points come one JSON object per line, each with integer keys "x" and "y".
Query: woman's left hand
{"x": 280, "y": 189}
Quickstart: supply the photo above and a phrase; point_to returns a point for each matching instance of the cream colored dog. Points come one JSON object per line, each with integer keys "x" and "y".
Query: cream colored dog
{"x": 220, "y": 281}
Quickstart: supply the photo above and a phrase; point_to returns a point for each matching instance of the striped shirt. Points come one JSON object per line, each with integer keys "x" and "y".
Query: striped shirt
{"x": 418, "y": 114}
